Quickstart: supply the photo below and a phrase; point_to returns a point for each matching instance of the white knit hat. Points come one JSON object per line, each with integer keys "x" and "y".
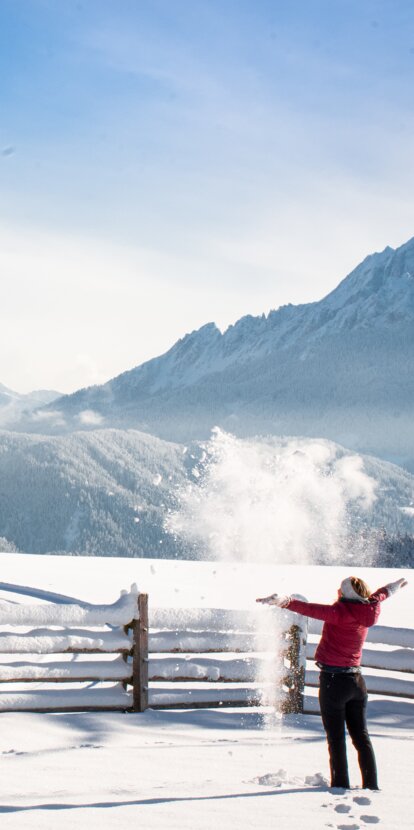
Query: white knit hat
{"x": 348, "y": 591}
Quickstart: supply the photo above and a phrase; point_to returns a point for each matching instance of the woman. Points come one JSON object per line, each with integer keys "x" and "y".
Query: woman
{"x": 342, "y": 690}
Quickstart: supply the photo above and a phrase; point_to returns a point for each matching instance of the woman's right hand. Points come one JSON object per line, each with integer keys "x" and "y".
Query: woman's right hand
{"x": 281, "y": 601}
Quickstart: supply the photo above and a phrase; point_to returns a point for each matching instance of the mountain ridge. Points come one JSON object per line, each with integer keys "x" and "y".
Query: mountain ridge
{"x": 341, "y": 367}
{"x": 277, "y": 321}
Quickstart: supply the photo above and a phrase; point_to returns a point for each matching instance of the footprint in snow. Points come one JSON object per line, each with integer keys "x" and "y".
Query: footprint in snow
{"x": 370, "y": 819}
{"x": 342, "y": 808}
{"x": 348, "y": 826}
{"x": 362, "y": 800}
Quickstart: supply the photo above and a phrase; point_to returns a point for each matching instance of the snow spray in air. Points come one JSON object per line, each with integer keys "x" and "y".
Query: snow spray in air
{"x": 272, "y": 500}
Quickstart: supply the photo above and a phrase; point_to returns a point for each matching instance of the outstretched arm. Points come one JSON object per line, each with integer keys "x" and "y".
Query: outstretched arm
{"x": 388, "y": 590}
{"x": 329, "y": 613}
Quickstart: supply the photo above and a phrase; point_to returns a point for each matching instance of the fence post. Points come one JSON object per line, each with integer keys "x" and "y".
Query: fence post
{"x": 295, "y": 681}
{"x": 140, "y": 656}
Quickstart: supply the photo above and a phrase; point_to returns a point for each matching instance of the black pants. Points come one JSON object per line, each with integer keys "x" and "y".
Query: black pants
{"x": 343, "y": 700}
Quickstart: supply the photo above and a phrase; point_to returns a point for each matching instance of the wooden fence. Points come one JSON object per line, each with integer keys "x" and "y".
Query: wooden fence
{"x": 180, "y": 658}
{"x": 189, "y": 658}
{"x": 99, "y": 655}
{"x": 211, "y": 657}
{"x": 196, "y": 663}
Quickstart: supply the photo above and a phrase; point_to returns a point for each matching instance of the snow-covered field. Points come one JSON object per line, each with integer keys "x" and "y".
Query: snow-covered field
{"x": 193, "y": 769}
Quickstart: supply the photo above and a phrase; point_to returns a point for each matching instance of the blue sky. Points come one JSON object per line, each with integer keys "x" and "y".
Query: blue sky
{"x": 165, "y": 163}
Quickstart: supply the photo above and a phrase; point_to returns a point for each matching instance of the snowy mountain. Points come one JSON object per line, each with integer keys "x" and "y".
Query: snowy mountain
{"x": 110, "y": 492}
{"x": 14, "y": 406}
{"x": 342, "y": 368}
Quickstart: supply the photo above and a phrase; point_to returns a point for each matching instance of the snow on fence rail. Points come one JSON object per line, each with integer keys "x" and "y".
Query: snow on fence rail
{"x": 52, "y": 614}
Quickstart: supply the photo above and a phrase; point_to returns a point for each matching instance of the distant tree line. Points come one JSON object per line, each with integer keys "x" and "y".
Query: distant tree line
{"x": 395, "y": 551}
{"x": 379, "y": 548}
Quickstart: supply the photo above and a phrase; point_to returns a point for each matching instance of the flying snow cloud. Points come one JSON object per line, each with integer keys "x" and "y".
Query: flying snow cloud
{"x": 90, "y": 418}
{"x": 272, "y": 500}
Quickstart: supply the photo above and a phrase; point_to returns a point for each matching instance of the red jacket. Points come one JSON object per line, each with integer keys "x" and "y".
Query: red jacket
{"x": 346, "y": 626}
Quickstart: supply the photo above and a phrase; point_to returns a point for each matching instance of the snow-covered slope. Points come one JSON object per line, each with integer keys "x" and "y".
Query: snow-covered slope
{"x": 99, "y": 493}
{"x": 341, "y": 368}
{"x": 111, "y": 492}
